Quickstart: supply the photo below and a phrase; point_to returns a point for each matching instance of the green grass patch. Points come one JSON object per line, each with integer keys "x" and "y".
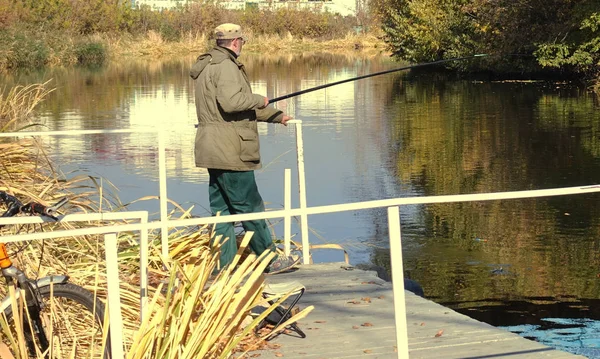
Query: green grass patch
{"x": 21, "y": 49}
{"x": 91, "y": 53}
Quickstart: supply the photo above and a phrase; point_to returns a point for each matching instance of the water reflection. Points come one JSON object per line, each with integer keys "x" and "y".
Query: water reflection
{"x": 462, "y": 137}
{"x": 568, "y": 332}
{"x": 402, "y": 134}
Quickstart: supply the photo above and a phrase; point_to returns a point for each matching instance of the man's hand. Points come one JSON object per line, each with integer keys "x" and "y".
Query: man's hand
{"x": 266, "y": 103}
{"x": 285, "y": 119}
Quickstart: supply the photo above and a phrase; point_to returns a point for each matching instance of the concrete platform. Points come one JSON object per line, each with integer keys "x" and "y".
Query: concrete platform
{"x": 354, "y": 318}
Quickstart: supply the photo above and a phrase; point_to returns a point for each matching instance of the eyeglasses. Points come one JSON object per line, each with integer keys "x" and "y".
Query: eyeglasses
{"x": 243, "y": 41}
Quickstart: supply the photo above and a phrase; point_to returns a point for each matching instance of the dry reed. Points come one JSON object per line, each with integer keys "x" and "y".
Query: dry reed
{"x": 17, "y": 105}
{"x": 153, "y": 45}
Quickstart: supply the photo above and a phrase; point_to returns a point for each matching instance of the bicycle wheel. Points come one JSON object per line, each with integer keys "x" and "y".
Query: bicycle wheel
{"x": 72, "y": 321}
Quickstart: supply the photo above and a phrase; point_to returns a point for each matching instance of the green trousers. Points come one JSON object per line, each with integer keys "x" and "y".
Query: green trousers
{"x": 235, "y": 192}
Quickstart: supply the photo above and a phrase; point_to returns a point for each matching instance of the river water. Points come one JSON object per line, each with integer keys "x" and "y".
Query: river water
{"x": 531, "y": 266}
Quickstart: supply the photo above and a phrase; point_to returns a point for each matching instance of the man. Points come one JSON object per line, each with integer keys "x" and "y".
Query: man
{"x": 227, "y": 142}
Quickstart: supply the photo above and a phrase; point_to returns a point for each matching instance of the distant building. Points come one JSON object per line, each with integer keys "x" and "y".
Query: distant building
{"x": 160, "y": 4}
{"x": 342, "y": 7}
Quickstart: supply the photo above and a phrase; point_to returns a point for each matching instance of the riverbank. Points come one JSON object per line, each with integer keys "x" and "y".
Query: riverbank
{"x": 51, "y": 50}
{"x": 153, "y": 45}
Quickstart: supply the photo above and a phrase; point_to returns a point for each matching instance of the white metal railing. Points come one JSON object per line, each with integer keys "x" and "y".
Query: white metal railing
{"x": 162, "y": 168}
{"x": 393, "y": 206}
{"x": 392, "y": 202}
{"x": 162, "y": 176}
{"x": 112, "y": 277}
{"x": 398, "y": 285}
{"x": 302, "y": 194}
{"x": 115, "y": 318}
{"x": 111, "y": 239}
{"x": 142, "y": 216}
{"x": 394, "y": 233}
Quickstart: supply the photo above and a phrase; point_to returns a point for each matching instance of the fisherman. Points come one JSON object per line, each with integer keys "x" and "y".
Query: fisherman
{"x": 227, "y": 142}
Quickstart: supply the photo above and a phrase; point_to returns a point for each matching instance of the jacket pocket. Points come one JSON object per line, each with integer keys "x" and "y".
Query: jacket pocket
{"x": 249, "y": 146}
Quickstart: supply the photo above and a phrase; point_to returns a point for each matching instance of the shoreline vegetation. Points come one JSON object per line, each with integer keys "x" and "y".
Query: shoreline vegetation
{"x": 561, "y": 40}
{"x": 99, "y": 49}
{"x": 153, "y": 45}
{"x": 38, "y": 33}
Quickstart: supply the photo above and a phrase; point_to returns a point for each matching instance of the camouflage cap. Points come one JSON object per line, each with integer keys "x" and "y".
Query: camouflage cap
{"x": 229, "y": 31}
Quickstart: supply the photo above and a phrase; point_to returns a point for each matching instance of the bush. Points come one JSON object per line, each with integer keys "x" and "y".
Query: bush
{"x": 299, "y": 23}
{"x": 22, "y": 49}
{"x": 91, "y": 53}
{"x": 580, "y": 52}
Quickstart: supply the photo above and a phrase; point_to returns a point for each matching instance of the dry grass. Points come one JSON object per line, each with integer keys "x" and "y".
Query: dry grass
{"x": 18, "y": 103}
{"x": 193, "y": 311}
{"x": 153, "y": 45}
{"x": 350, "y": 42}
{"x": 199, "y": 319}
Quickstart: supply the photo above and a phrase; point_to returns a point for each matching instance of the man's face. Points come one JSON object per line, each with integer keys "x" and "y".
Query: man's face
{"x": 238, "y": 43}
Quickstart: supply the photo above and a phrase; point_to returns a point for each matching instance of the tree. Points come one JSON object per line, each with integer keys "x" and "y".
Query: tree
{"x": 553, "y": 34}
{"x": 579, "y": 50}
{"x": 427, "y": 30}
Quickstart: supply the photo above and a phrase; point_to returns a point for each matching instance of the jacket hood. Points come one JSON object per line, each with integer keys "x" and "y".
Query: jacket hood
{"x": 214, "y": 56}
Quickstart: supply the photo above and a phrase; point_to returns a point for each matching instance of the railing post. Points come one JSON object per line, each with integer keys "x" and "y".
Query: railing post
{"x": 287, "y": 205}
{"x": 302, "y": 193}
{"x": 143, "y": 267}
{"x": 114, "y": 296}
{"x": 162, "y": 178}
{"x": 398, "y": 281}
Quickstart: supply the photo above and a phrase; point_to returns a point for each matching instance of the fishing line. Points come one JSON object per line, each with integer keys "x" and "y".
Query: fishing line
{"x": 374, "y": 74}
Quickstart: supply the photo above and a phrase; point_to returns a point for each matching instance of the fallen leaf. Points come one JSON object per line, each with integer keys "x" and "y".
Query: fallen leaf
{"x": 380, "y": 297}
{"x": 354, "y": 302}
{"x": 355, "y": 327}
{"x": 366, "y": 299}
{"x": 422, "y": 324}
{"x": 367, "y": 324}
{"x": 439, "y": 333}
{"x": 320, "y": 321}
{"x": 367, "y": 351}
{"x": 279, "y": 355}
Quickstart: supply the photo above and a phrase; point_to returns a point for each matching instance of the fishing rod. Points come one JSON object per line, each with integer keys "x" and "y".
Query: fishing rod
{"x": 374, "y": 74}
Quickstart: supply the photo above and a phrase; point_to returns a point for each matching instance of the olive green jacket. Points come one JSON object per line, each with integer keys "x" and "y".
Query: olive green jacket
{"x": 227, "y": 135}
